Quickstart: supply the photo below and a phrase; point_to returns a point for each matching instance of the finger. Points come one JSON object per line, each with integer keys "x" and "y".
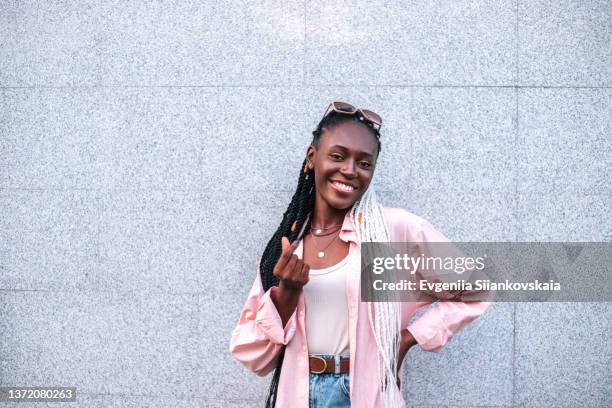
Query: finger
{"x": 291, "y": 264}
{"x": 291, "y": 249}
{"x": 285, "y": 254}
{"x": 297, "y": 268}
{"x": 301, "y": 276}
{"x": 284, "y": 244}
{"x": 305, "y": 273}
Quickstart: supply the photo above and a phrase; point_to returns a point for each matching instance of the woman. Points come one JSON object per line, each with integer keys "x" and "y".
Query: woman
{"x": 303, "y": 317}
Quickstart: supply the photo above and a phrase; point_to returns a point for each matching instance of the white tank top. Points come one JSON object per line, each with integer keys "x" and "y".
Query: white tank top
{"x": 327, "y": 322}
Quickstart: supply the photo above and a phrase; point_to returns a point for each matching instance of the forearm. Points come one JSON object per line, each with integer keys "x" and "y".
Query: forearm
{"x": 286, "y": 301}
{"x": 406, "y": 342}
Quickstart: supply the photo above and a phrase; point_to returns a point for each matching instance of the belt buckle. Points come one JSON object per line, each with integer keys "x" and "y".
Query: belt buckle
{"x": 324, "y": 365}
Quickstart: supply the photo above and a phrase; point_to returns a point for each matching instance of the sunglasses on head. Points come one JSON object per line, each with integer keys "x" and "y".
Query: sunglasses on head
{"x": 348, "y": 109}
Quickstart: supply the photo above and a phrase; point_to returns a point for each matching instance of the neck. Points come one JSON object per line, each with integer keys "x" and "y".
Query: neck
{"x": 325, "y": 216}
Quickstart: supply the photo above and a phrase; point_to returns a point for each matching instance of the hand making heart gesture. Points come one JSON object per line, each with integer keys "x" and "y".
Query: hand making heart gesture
{"x": 292, "y": 271}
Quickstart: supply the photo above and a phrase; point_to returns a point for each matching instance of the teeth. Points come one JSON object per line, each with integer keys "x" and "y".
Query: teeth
{"x": 343, "y": 186}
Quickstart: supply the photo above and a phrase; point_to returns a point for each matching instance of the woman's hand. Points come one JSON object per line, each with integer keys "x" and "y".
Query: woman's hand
{"x": 406, "y": 342}
{"x": 292, "y": 271}
{"x": 293, "y": 274}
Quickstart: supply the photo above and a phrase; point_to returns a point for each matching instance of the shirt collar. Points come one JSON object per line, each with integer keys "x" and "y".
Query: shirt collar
{"x": 347, "y": 232}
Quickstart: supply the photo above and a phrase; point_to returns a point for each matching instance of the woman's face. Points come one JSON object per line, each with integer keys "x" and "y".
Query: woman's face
{"x": 344, "y": 163}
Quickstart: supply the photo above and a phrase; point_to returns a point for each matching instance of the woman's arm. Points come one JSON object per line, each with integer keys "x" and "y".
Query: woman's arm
{"x": 406, "y": 342}
{"x": 435, "y": 328}
{"x": 260, "y": 333}
{"x": 285, "y": 299}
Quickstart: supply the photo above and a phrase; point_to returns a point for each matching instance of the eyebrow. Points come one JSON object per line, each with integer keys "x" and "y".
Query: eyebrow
{"x": 345, "y": 148}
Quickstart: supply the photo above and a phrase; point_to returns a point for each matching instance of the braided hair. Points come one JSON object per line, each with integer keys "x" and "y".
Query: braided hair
{"x": 294, "y": 218}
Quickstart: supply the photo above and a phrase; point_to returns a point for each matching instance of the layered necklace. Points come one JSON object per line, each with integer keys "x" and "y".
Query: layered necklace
{"x": 319, "y": 232}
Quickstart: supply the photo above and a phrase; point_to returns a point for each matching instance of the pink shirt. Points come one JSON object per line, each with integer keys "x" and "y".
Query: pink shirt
{"x": 259, "y": 334}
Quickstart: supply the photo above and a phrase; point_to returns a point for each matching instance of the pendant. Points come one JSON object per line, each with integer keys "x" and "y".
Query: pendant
{"x": 321, "y": 254}
{"x": 318, "y": 231}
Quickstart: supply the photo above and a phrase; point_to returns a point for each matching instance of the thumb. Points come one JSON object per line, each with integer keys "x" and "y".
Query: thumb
{"x": 284, "y": 244}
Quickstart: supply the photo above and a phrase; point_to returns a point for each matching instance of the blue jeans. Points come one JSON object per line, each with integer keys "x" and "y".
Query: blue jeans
{"x": 329, "y": 390}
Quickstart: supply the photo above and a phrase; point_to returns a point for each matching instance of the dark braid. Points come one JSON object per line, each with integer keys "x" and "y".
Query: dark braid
{"x": 297, "y": 210}
{"x": 302, "y": 203}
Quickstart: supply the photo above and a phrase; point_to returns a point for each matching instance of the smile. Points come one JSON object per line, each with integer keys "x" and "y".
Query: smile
{"x": 341, "y": 187}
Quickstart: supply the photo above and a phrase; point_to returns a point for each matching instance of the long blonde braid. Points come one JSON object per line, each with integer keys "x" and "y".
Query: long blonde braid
{"x": 384, "y": 315}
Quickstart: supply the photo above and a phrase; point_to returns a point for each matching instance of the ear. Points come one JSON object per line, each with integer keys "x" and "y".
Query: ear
{"x": 310, "y": 154}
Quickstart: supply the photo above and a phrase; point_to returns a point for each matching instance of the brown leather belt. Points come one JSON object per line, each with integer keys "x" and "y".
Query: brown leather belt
{"x": 320, "y": 365}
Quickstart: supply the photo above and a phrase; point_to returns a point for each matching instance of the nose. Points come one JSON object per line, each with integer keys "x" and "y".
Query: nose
{"x": 348, "y": 170}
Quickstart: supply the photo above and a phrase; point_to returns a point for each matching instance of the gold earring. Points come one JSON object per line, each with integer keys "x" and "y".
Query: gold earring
{"x": 306, "y": 167}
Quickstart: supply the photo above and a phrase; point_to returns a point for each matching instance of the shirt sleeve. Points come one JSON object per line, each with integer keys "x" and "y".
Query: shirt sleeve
{"x": 436, "y": 327}
{"x": 259, "y": 335}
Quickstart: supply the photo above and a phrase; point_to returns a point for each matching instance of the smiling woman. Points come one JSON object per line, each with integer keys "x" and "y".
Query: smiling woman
{"x": 303, "y": 317}
{"x": 344, "y": 160}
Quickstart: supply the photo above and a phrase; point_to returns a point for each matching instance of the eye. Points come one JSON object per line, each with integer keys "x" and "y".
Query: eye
{"x": 366, "y": 164}
{"x": 336, "y": 156}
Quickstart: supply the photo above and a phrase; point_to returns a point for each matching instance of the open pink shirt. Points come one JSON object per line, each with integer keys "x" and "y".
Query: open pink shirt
{"x": 259, "y": 334}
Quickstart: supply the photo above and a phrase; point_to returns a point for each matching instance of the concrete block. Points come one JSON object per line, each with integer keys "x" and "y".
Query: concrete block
{"x": 474, "y": 368}
{"x": 564, "y": 141}
{"x": 382, "y": 43}
{"x": 564, "y": 44}
{"x": 102, "y": 343}
{"x": 562, "y": 354}
{"x": 48, "y": 239}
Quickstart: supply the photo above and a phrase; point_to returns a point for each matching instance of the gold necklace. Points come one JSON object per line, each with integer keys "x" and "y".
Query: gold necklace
{"x": 319, "y": 234}
{"x": 319, "y": 230}
{"x": 321, "y": 252}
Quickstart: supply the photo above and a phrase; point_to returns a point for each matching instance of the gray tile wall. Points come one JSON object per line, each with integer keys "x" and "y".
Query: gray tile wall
{"x": 149, "y": 149}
